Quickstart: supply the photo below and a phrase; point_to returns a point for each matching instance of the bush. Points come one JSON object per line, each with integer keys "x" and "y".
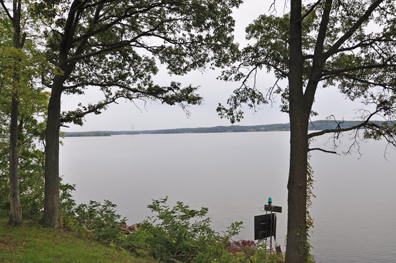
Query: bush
{"x": 175, "y": 234}
{"x": 32, "y": 202}
{"x": 101, "y": 222}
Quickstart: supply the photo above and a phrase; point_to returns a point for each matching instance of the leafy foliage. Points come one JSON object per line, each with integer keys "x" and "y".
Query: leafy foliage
{"x": 310, "y": 220}
{"x": 32, "y": 201}
{"x": 31, "y": 130}
{"x": 117, "y": 46}
{"x": 361, "y": 63}
{"x": 182, "y": 238}
{"x": 177, "y": 234}
{"x": 22, "y": 106}
{"x": 101, "y": 221}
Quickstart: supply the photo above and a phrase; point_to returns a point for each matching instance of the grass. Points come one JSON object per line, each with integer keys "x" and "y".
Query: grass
{"x": 34, "y": 243}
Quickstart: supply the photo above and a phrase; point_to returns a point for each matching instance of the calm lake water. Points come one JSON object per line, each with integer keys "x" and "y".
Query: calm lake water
{"x": 233, "y": 174}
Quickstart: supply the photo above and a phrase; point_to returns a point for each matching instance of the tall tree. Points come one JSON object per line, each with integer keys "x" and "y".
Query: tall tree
{"x": 19, "y": 64}
{"x": 31, "y": 129}
{"x": 15, "y": 205}
{"x": 344, "y": 44}
{"x": 115, "y": 46}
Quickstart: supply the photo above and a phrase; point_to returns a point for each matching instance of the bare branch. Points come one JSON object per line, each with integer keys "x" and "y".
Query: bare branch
{"x": 272, "y": 6}
{"x": 355, "y": 143}
{"x": 339, "y": 130}
{"x": 6, "y": 10}
{"x": 248, "y": 76}
{"x": 271, "y": 91}
{"x": 323, "y": 150}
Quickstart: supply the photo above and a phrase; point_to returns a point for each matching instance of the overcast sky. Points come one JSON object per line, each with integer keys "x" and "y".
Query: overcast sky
{"x": 127, "y": 116}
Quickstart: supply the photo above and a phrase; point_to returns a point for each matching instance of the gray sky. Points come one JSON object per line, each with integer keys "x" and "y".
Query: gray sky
{"x": 125, "y": 115}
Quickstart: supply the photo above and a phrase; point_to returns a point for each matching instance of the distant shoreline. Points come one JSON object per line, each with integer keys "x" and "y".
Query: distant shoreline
{"x": 315, "y": 125}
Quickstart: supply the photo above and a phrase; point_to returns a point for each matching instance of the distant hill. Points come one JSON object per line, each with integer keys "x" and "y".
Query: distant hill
{"x": 316, "y": 125}
{"x": 83, "y": 134}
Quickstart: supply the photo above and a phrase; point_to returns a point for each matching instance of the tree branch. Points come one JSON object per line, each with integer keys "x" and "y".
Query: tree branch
{"x": 323, "y": 150}
{"x": 138, "y": 93}
{"x": 125, "y": 15}
{"x": 6, "y": 10}
{"x": 115, "y": 46}
{"x": 340, "y": 130}
{"x": 80, "y": 114}
{"x": 352, "y": 30}
{"x": 340, "y": 71}
{"x": 352, "y": 77}
{"x": 309, "y": 11}
{"x": 363, "y": 44}
{"x": 318, "y": 58}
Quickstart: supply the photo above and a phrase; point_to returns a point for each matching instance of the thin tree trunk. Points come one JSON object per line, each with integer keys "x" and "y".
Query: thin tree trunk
{"x": 15, "y": 204}
{"x": 51, "y": 216}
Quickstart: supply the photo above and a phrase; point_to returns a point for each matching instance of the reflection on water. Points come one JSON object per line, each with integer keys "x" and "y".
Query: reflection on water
{"x": 233, "y": 174}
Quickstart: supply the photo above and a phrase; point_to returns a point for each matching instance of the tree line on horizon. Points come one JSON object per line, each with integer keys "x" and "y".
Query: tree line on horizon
{"x": 52, "y": 48}
{"x": 315, "y": 125}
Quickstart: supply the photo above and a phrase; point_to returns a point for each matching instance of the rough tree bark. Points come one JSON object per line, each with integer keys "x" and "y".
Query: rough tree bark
{"x": 51, "y": 215}
{"x": 299, "y": 115}
{"x": 15, "y": 204}
{"x": 300, "y": 102}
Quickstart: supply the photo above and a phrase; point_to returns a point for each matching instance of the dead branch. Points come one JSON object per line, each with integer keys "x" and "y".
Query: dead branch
{"x": 322, "y": 150}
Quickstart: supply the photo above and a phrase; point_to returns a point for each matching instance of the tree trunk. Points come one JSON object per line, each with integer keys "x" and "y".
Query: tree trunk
{"x": 51, "y": 216}
{"x": 299, "y": 110}
{"x": 296, "y": 250}
{"x": 15, "y": 203}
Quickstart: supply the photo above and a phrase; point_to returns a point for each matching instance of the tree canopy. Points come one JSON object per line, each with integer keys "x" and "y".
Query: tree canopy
{"x": 116, "y": 46}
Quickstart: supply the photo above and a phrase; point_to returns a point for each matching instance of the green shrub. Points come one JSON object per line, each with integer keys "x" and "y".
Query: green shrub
{"x": 67, "y": 204}
{"x": 175, "y": 234}
{"x": 101, "y": 221}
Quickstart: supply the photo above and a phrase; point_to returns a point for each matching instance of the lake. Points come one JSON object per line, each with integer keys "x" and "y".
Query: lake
{"x": 233, "y": 174}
